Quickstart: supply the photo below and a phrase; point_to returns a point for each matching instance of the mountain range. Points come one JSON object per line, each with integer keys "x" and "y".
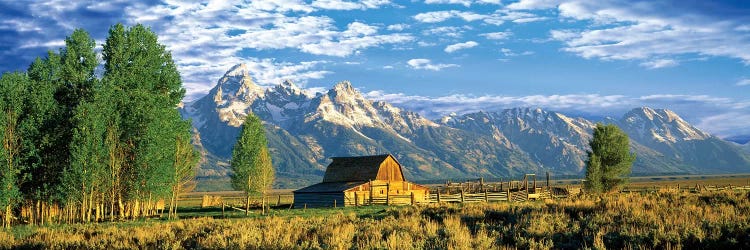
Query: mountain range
{"x": 305, "y": 129}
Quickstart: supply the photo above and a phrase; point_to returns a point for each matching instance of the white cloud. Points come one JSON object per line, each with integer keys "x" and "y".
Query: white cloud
{"x": 533, "y": 4}
{"x": 346, "y": 5}
{"x": 426, "y": 44}
{"x": 466, "y": 3}
{"x": 497, "y": 18}
{"x": 647, "y": 31}
{"x": 508, "y": 52}
{"x": 397, "y": 27}
{"x": 459, "y": 46}
{"x": 497, "y": 35}
{"x": 743, "y": 82}
{"x": 660, "y": 63}
{"x": 198, "y": 36}
{"x": 426, "y": 64}
{"x": 440, "y": 16}
{"x": 447, "y": 31}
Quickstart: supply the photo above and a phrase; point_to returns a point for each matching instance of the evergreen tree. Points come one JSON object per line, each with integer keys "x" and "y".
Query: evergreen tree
{"x": 251, "y": 162}
{"x": 12, "y": 87}
{"x": 609, "y": 161}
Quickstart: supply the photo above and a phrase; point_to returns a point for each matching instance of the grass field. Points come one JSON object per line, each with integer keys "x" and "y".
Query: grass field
{"x": 658, "y": 220}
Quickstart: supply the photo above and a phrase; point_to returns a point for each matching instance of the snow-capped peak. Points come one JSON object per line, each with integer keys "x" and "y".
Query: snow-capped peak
{"x": 661, "y": 125}
{"x": 234, "y": 93}
{"x": 289, "y": 88}
{"x": 238, "y": 70}
{"x": 344, "y": 87}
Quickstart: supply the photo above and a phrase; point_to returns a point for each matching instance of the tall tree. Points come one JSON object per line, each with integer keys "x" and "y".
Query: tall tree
{"x": 186, "y": 160}
{"x": 150, "y": 88}
{"x": 46, "y": 131}
{"x": 610, "y": 159}
{"x": 251, "y": 162}
{"x": 12, "y": 87}
{"x": 82, "y": 122}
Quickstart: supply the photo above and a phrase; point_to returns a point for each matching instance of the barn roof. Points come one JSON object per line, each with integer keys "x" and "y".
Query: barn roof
{"x": 330, "y": 187}
{"x": 358, "y": 168}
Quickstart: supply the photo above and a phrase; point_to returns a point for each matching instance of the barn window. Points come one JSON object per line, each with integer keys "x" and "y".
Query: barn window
{"x": 381, "y": 191}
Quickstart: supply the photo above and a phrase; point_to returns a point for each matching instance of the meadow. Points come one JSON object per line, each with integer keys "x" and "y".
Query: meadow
{"x": 666, "y": 219}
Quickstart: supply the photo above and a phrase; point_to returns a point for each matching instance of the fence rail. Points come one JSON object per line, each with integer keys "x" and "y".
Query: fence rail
{"x": 504, "y": 194}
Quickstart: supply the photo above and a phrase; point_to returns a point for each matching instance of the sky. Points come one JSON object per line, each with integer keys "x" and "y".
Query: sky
{"x": 582, "y": 58}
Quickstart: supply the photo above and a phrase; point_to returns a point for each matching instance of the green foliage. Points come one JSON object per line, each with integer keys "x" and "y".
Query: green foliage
{"x": 149, "y": 88}
{"x": 12, "y": 87}
{"x": 78, "y": 64}
{"x": 88, "y": 144}
{"x": 47, "y": 129}
{"x": 609, "y": 161}
{"x": 251, "y": 162}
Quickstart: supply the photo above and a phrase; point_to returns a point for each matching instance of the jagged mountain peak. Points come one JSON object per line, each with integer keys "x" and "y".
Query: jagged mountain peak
{"x": 662, "y": 125}
{"x": 288, "y": 87}
{"x": 236, "y": 85}
{"x": 239, "y": 69}
{"x": 345, "y": 86}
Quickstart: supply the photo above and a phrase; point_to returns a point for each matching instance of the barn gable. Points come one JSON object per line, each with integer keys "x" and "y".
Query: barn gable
{"x": 363, "y": 168}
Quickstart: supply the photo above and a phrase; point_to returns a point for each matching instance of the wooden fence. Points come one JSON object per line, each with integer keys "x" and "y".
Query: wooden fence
{"x": 493, "y": 196}
{"x": 464, "y": 193}
{"x": 684, "y": 188}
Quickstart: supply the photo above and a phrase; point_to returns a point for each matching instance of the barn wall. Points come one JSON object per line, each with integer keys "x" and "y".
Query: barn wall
{"x": 390, "y": 170}
{"x": 398, "y": 193}
{"x": 318, "y": 199}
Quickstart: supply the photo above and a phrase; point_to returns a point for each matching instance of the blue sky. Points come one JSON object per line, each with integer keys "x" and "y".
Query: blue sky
{"x": 589, "y": 58}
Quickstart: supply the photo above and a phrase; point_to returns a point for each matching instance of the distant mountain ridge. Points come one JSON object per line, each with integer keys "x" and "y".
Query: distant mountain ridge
{"x": 305, "y": 130}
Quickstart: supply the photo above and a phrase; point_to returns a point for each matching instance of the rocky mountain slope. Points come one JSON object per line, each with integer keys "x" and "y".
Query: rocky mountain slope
{"x": 304, "y": 130}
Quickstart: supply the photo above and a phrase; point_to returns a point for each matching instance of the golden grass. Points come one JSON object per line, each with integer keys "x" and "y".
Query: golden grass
{"x": 662, "y": 220}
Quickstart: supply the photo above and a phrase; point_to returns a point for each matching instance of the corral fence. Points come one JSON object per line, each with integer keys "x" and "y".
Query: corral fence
{"x": 684, "y": 188}
{"x": 469, "y": 191}
{"x": 511, "y": 191}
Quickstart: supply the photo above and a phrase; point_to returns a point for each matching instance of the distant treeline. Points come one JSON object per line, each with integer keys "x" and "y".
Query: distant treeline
{"x": 82, "y": 147}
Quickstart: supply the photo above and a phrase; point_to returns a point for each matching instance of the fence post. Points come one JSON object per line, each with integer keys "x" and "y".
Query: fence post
{"x": 278, "y": 202}
{"x": 334, "y": 202}
{"x": 371, "y": 188}
{"x": 222, "y": 210}
{"x": 508, "y": 193}
{"x": 485, "y": 196}
{"x": 526, "y": 185}
{"x": 462, "y": 195}
{"x": 438, "y": 195}
{"x": 387, "y": 193}
{"x": 412, "y": 198}
{"x": 356, "y": 199}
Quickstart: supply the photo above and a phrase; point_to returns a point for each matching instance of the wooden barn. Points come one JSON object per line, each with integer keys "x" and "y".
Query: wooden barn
{"x": 362, "y": 180}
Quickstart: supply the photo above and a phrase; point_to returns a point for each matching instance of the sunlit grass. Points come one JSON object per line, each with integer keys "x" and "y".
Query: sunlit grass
{"x": 654, "y": 220}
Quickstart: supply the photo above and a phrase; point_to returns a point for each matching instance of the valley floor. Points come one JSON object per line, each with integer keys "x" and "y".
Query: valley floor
{"x": 663, "y": 219}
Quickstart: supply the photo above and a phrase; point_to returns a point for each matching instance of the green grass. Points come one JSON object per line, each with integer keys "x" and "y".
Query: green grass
{"x": 279, "y": 211}
{"x": 658, "y": 220}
